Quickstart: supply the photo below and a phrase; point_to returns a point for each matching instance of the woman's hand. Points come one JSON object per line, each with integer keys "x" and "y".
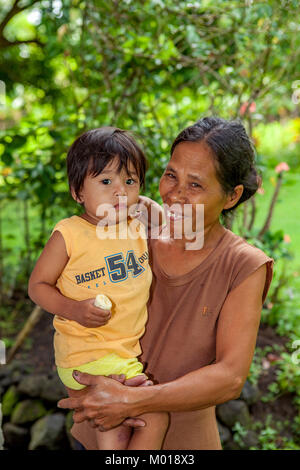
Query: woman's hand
{"x": 149, "y": 212}
{"x": 105, "y": 402}
{"x": 90, "y": 316}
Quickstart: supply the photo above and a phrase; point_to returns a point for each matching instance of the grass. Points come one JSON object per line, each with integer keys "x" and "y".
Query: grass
{"x": 286, "y": 212}
{"x": 285, "y": 217}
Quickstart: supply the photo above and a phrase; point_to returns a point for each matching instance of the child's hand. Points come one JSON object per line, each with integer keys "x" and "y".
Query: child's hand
{"x": 87, "y": 314}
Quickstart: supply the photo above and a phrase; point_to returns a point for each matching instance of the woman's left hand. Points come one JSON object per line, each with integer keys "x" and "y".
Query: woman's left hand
{"x": 105, "y": 402}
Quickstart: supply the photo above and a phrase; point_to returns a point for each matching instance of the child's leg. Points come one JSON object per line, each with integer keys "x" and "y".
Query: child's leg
{"x": 114, "y": 439}
{"x": 151, "y": 436}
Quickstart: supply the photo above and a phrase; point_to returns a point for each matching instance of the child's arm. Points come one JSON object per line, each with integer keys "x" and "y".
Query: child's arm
{"x": 42, "y": 289}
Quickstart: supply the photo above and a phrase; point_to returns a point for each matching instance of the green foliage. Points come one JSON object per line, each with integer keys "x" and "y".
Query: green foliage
{"x": 277, "y": 142}
{"x": 285, "y": 315}
{"x": 273, "y": 244}
{"x": 270, "y": 435}
{"x": 9, "y": 400}
{"x": 276, "y": 435}
{"x": 287, "y": 380}
{"x": 239, "y": 433}
{"x": 268, "y": 438}
{"x": 256, "y": 366}
{"x": 282, "y": 309}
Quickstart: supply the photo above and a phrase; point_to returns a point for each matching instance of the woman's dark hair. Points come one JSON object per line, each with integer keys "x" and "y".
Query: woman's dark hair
{"x": 233, "y": 152}
{"x": 93, "y": 150}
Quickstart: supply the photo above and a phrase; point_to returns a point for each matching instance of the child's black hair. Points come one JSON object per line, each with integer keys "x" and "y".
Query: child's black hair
{"x": 93, "y": 150}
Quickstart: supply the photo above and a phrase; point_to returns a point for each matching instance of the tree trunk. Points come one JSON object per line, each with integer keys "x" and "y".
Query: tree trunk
{"x": 253, "y": 213}
{"x": 270, "y": 213}
{"x": 27, "y": 328}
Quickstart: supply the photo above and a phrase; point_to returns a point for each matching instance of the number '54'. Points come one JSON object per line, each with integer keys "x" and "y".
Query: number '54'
{"x": 118, "y": 267}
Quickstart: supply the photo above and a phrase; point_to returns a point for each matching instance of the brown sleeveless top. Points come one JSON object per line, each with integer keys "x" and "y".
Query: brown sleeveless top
{"x": 183, "y": 311}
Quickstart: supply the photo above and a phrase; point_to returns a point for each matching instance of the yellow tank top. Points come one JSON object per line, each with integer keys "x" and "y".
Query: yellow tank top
{"x": 116, "y": 266}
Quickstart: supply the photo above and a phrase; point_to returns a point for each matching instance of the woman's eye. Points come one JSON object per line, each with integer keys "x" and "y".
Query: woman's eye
{"x": 196, "y": 185}
{"x": 170, "y": 175}
{"x": 106, "y": 181}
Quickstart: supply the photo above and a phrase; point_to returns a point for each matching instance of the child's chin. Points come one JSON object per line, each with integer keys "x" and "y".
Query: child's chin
{"x": 119, "y": 218}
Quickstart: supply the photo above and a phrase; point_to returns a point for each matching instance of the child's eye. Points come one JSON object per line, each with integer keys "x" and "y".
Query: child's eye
{"x": 130, "y": 181}
{"x": 106, "y": 181}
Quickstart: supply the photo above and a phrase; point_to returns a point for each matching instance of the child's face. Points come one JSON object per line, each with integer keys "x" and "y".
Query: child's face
{"x": 106, "y": 189}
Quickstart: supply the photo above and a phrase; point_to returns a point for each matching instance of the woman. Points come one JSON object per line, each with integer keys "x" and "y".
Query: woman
{"x": 205, "y": 303}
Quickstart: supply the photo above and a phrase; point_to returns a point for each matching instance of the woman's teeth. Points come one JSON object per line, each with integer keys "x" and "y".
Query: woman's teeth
{"x": 174, "y": 215}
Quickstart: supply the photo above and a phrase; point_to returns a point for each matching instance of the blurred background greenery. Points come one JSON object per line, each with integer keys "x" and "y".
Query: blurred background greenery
{"x": 152, "y": 67}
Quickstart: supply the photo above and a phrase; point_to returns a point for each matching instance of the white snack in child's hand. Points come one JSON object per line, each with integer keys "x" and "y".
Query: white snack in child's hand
{"x": 103, "y": 302}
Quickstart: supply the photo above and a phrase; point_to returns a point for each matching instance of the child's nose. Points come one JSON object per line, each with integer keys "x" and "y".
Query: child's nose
{"x": 120, "y": 190}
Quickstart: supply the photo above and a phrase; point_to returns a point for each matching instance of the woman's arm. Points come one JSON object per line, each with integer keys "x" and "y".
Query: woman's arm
{"x": 43, "y": 292}
{"x": 235, "y": 343}
{"x": 109, "y": 402}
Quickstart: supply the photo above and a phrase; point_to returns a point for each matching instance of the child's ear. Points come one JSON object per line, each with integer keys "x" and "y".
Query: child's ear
{"x": 75, "y": 197}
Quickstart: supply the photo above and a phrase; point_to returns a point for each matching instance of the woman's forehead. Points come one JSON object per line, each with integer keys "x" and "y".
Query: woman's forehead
{"x": 192, "y": 157}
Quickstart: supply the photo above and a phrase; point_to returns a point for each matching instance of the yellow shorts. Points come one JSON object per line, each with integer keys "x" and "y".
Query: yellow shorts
{"x": 106, "y": 365}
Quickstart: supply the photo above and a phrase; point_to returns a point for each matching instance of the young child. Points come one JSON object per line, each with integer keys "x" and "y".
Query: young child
{"x": 104, "y": 166}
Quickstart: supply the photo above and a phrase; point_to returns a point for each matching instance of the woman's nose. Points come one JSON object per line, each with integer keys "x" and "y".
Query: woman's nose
{"x": 178, "y": 195}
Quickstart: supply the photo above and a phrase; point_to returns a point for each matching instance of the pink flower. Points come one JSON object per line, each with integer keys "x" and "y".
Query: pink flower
{"x": 261, "y": 191}
{"x": 283, "y": 166}
{"x": 250, "y": 108}
{"x": 273, "y": 357}
{"x": 287, "y": 238}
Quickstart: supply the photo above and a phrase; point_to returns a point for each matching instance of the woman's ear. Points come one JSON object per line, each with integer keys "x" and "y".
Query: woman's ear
{"x": 75, "y": 197}
{"x": 234, "y": 196}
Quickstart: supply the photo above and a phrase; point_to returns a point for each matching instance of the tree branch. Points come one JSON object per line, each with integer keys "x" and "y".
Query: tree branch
{"x": 15, "y": 9}
{"x": 9, "y": 15}
{"x": 271, "y": 208}
{"x": 4, "y": 43}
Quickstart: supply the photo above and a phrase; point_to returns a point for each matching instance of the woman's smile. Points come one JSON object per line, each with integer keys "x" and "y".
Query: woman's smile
{"x": 176, "y": 215}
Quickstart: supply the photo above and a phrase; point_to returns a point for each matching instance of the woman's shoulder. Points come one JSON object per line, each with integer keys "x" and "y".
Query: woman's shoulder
{"x": 243, "y": 259}
{"x": 238, "y": 248}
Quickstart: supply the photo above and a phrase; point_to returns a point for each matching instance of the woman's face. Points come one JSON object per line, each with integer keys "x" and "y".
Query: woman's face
{"x": 190, "y": 178}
